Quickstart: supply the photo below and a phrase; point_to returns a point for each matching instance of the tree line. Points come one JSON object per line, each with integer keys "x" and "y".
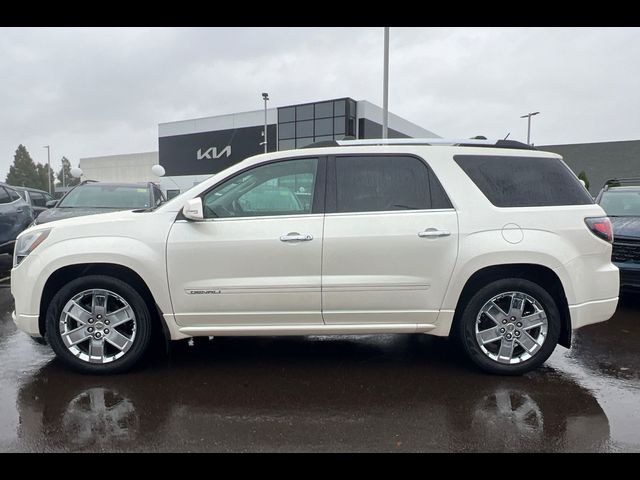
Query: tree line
{"x": 26, "y": 173}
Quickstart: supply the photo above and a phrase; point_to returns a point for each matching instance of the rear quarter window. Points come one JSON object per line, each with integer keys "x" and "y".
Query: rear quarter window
{"x": 524, "y": 181}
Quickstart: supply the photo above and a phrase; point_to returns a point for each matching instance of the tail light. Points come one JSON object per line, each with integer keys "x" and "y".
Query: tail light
{"x": 600, "y": 227}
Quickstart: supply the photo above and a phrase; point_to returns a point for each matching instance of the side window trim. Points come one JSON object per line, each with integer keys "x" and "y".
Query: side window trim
{"x": 10, "y": 198}
{"x": 332, "y": 182}
{"x": 318, "y": 205}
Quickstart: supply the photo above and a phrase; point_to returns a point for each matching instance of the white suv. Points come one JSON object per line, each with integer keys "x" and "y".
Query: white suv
{"x": 493, "y": 243}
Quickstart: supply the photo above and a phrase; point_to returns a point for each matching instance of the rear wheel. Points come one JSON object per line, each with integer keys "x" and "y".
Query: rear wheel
{"x": 509, "y": 327}
{"x": 98, "y": 324}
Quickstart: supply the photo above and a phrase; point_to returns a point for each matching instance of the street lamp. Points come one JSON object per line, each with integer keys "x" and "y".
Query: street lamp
{"x": 529, "y": 115}
{"x": 385, "y": 86}
{"x": 265, "y": 97}
{"x": 49, "y": 165}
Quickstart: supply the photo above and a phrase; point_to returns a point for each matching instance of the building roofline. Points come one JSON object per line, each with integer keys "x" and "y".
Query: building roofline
{"x": 587, "y": 143}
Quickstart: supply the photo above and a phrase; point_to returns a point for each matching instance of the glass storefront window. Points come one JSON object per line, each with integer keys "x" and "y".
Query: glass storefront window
{"x": 303, "y": 142}
{"x": 304, "y": 129}
{"x": 287, "y": 114}
{"x": 287, "y": 144}
{"x": 324, "y": 110}
{"x": 299, "y": 125}
{"x": 324, "y": 126}
{"x": 352, "y": 127}
{"x": 304, "y": 112}
{"x": 287, "y": 130}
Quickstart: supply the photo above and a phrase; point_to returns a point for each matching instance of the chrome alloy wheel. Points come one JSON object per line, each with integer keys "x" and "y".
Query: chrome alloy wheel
{"x": 511, "y": 327}
{"x": 97, "y": 326}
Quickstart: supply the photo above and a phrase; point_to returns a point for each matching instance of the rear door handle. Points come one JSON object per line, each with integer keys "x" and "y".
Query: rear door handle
{"x": 434, "y": 233}
{"x": 295, "y": 237}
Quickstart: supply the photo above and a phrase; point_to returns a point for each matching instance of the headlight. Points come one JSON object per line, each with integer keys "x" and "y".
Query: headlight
{"x": 27, "y": 243}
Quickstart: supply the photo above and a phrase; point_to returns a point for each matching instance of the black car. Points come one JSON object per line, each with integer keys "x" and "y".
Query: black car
{"x": 37, "y": 199}
{"x": 620, "y": 198}
{"x": 15, "y": 216}
{"x": 91, "y": 197}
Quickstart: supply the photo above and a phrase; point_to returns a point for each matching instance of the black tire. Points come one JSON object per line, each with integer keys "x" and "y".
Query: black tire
{"x": 465, "y": 326}
{"x": 123, "y": 289}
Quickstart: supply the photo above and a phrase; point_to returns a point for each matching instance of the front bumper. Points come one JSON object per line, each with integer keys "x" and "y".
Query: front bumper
{"x": 27, "y": 323}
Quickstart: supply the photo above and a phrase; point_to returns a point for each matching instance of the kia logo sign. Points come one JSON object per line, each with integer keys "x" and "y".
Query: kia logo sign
{"x": 212, "y": 152}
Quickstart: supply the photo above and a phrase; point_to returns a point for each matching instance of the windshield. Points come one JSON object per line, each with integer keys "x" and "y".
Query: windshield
{"x": 621, "y": 204}
{"x": 107, "y": 196}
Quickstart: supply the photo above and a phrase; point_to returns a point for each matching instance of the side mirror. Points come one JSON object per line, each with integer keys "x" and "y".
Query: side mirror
{"x": 193, "y": 209}
{"x": 51, "y": 203}
{"x": 584, "y": 184}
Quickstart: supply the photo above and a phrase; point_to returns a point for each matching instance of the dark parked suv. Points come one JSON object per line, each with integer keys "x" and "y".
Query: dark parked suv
{"x": 15, "y": 216}
{"x": 91, "y": 197}
{"x": 620, "y": 198}
{"x": 37, "y": 199}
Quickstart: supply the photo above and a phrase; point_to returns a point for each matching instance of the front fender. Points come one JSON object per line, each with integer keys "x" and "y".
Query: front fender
{"x": 148, "y": 261}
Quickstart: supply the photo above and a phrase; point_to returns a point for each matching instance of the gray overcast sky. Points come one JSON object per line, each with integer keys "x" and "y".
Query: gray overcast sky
{"x": 101, "y": 91}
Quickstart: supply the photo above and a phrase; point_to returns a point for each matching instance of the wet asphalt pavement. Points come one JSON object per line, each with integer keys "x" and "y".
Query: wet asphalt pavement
{"x": 338, "y": 394}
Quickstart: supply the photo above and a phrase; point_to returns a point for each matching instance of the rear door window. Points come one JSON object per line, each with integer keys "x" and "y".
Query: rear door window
{"x": 386, "y": 183}
{"x": 4, "y": 196}
{"x": 524, "y": 181}
{"x": 13, "y": 195}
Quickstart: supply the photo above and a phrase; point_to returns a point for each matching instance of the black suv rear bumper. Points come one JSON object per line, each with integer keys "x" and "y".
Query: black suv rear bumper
{"x": 629, "y": 275}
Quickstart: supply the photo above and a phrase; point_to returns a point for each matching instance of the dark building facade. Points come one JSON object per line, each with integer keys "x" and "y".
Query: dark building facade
{"x": 191, "y": 150}
{"x": 600, "y": 161}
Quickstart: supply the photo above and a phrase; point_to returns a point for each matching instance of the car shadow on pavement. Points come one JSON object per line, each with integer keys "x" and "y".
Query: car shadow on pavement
{"x": 316, "y": 393}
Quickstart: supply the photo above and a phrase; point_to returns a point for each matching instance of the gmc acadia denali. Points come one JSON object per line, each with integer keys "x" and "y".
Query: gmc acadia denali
{"x": 495, "y": 244}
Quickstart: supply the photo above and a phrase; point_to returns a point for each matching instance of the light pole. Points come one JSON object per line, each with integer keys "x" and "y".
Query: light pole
{"x": 528, "y": 116}
{"x": 385, "y": 86}
{"x": 265, "y": 97}
{"x": 49, "y": 165}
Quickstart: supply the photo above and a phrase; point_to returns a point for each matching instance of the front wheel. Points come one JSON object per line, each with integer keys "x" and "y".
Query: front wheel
{"x": 98, "y": 324}
{"x": 509, "y": 327}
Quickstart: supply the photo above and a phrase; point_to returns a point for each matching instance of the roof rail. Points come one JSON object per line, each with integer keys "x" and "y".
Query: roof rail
{"x": 619, "y": 182}
{"x": 459, "y": 142}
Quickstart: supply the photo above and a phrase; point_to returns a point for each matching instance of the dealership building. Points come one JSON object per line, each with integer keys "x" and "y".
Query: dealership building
{"x": 192, "y": 150}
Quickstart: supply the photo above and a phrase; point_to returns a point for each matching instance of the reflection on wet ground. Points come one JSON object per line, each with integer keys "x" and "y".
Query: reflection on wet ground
{"x": 348, "y": 393}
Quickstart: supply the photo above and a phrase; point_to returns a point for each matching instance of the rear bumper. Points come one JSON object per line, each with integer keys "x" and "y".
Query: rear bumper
{"x": 27, "y": 323}
{"x": 629, "y": 274}
{"x": 592, "y": 312}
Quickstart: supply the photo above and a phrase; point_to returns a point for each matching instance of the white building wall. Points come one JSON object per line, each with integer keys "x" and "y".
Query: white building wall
{"x": 373, "y": 112}
{"x": 130, "y": 167}
{"x": 219, "y": 122}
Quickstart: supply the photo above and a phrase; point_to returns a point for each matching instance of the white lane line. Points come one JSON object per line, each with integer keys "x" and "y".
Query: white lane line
{"x": 5, "y": 278}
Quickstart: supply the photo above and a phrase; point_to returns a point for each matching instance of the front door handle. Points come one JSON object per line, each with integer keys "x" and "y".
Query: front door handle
{"x": 295, "y": 237}
{"x": 434, "y": 233}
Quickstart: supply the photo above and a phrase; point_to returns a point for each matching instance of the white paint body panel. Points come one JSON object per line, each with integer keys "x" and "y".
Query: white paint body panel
{"x": 243, "y": 273}
{"x": 376, "y": 269}
{"x": 370, "y": 275}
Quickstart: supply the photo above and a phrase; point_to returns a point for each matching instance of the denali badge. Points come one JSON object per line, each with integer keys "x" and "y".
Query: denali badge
{"x": 202, "y": 292}
{"x": 212, "y": 152}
